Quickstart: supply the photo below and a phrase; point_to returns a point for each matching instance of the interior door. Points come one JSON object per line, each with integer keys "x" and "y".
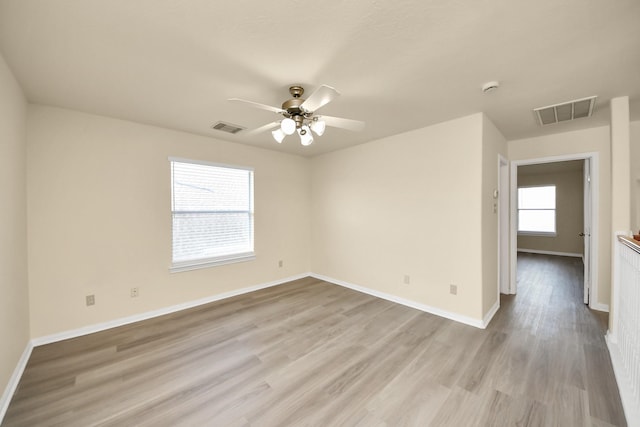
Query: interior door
{"x": 587, "y": 229}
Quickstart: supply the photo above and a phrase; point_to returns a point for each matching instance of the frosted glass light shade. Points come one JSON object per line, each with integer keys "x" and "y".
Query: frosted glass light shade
{"x": 318, "y": 126}
{"x": 288, "y": 126}
{"x": 278, "y": 135}
{"x": 306, "y": 138}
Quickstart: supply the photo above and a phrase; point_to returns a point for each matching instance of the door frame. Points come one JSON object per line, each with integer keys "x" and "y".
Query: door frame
{"x": 595, "y": 232}
{"x": 588, "y": 213}
{"x": 503, "y": 226}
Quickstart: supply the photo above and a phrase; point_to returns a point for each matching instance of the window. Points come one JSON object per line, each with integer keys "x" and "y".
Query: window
{"x": 537, "y": 210}
{"x": 212, "y": 210}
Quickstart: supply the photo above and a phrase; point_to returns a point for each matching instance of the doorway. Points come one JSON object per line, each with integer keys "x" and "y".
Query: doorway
{"x": 588, "y": 232}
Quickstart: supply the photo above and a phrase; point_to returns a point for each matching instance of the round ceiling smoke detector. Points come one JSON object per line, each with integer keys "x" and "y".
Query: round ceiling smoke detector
{"x": 490, "y": 86}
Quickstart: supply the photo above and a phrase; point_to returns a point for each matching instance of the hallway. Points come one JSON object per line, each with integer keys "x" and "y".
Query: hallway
{"x": 556, "y": 351}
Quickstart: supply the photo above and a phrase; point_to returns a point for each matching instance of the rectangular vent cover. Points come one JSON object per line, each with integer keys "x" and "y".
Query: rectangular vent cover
{"x": 227, "y": 127}
{"x": 565, "y": 111}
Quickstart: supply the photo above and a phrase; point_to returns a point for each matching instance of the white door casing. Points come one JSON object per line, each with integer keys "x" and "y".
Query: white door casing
{"x": 586, "y": 234}
{"x": 503, "y": 225}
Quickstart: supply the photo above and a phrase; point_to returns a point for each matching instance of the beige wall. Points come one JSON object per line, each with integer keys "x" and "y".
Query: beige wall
{"x": 409, "y": 204}
{"x": 100, "y": 223}
{"x": 635, "y": 176}
{"x": 583, "y": 141}
{"x": 620, "y": 157}
{"x": 493, "y": 143}
{"x": 14, "y": 305}
{"x": 569, "y": 212}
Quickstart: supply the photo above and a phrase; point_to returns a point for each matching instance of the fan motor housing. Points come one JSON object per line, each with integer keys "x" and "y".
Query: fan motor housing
{"x": 292, "y": 106}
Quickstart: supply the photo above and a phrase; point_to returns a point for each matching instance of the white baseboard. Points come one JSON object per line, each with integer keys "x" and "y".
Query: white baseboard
{"x": 536, "y": 251}
{"x": 74, "y": 333}
{"x": 599, "y": 306}
{"x": 492, "y": 312}
{"x": 419, "y": 306}
{"x": 14, "y": 380}
{"x": 22, "y": 363}
{"x": 630, "y": 405}
{"x": 86, "y": 330}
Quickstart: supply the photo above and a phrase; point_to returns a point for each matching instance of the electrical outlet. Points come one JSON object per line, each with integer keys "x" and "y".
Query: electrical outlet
{"x": 407, "y": 279}
{"x": 134, "y": 292}
{"x": 280, "y": 263}
{"x": 91, "y": 300}
{"x": 453, "y": 289}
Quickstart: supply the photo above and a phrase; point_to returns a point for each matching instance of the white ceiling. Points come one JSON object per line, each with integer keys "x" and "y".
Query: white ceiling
{"x": 400, "y": 65}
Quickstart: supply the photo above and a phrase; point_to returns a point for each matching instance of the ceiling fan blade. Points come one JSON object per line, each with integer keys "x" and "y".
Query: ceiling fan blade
{"x": 258, "y": 105}
{"x": 320, "y": 97}
{"x": 264, "y": 128}
{"x": 338, "y": 122}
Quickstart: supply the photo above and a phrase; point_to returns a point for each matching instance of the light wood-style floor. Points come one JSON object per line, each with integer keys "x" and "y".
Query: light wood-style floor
{"x": 309, "y": 353}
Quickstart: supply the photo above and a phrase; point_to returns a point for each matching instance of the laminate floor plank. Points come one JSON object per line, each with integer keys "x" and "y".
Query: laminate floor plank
{"x": 461, "y": 408}
{"x": 602, "y": 385}
{"x": 478, "y": 372}
{"x": 310, "y": 353}
{"x": 503, "y": 410}
{"x": 569, "y": 408}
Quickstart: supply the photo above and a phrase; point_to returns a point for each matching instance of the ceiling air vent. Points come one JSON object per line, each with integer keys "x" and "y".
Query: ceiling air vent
{"x": 227, "y": 127}
{"x": 565, "y": 111}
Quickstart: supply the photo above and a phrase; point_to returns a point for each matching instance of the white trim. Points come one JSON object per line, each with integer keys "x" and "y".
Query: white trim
{"x": 74, "y": 333}
{"x": 599, "y": 307}
{"x": 418, "y": 306}
{"x": 503, "y": 226}
{"x": 595, "y": 229}
{"x": 492, "y": 312}
{"x": 160, "y": 312}
{"x": 537, "y": 233}
{"x": 14, "y": 380}
{"x": 513, "y": 233}
{"x": 48, "y": 339}
{"x": 629, "y": 404}
{"x": 536, "y": 251}
{"x": 179, "y": 267}
{"x": 206, "y": 163}
{"x": 86, "y": 330}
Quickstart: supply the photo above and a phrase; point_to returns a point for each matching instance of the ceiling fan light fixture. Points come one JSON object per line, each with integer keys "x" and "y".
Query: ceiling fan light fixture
{"x": 306, "y": 138}
{"x": 278, "y": 135}
{"x": 298, "y": 114}
{"x": 288, "y": 126}
{"x": 318, "y": 126}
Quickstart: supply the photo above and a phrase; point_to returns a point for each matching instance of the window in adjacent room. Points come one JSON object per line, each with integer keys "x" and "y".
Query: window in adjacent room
{"x": 212, "y": 210}
{"x": 537, "y": 210}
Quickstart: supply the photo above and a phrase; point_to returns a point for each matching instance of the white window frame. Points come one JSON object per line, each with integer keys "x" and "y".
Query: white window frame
{"x": 555, "y": 213}
{"x": 193, "y": 264}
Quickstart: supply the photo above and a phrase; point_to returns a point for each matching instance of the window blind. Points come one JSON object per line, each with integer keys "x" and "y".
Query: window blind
{"x": 212, "y": 210}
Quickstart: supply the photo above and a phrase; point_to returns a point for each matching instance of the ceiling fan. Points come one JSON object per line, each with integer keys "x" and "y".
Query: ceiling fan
{"x": 300, "y": 115}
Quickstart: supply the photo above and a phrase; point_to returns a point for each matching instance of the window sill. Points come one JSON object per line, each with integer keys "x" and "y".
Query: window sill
{"x": 537, "y": 233}
{"x": 211, "y": 262}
